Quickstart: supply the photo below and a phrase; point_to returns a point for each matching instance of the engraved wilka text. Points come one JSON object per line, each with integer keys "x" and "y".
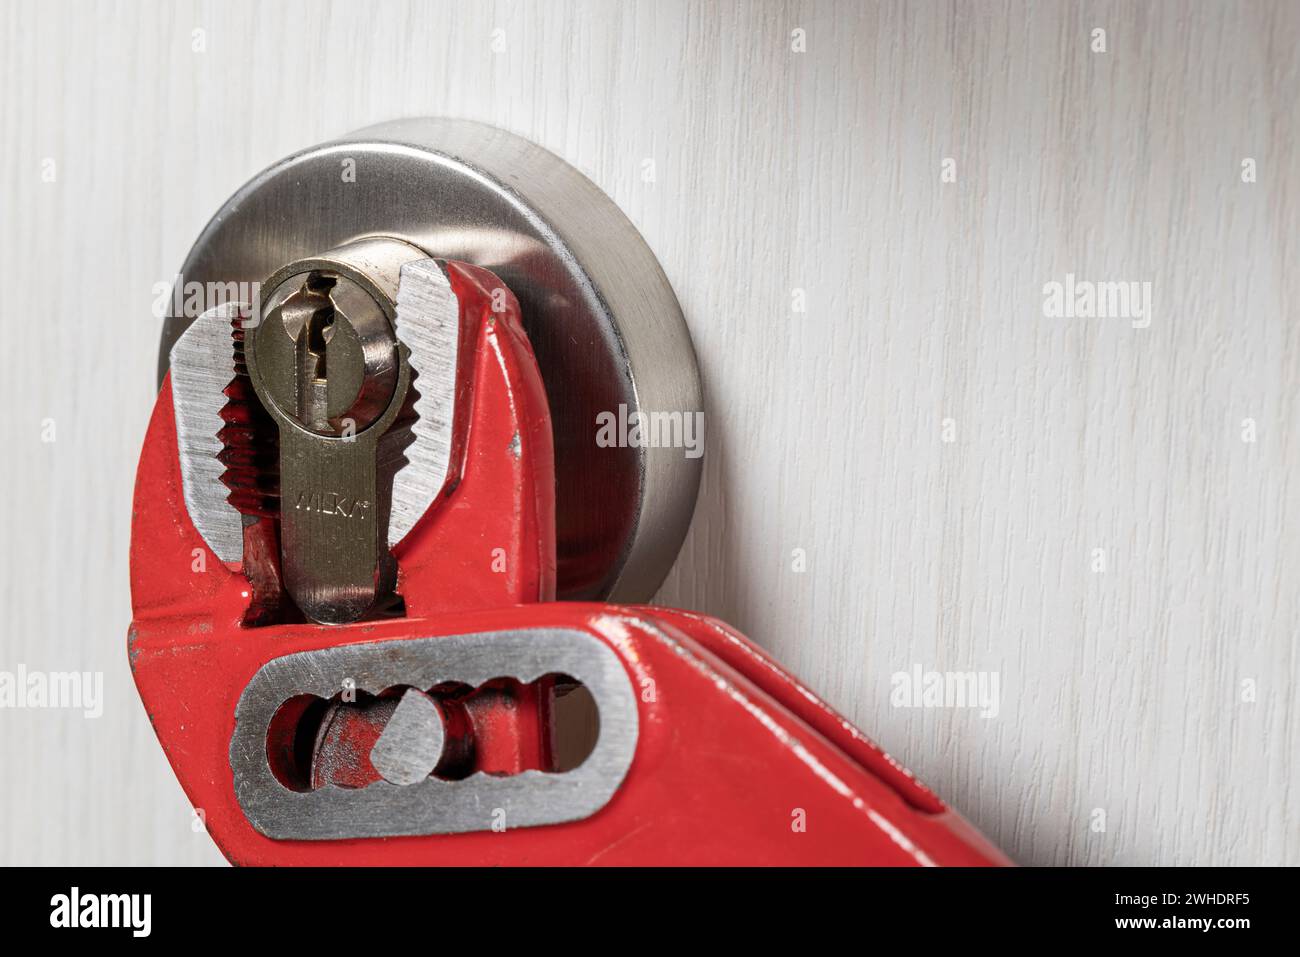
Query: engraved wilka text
{"x": 331, "y": 503}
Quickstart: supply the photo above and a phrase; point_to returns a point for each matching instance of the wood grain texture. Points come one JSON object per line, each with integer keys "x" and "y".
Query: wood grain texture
{"x": 774, "y": 171}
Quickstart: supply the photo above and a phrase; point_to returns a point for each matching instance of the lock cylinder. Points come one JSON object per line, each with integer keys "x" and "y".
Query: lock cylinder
{"x": 326, "y": 365}
{"x": 325, "y": 339}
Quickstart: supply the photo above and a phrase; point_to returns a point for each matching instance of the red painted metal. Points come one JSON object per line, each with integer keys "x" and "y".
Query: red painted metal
{"x": 735, "y": 762}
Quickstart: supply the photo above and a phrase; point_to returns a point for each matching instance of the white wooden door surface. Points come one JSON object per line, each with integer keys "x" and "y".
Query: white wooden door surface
{"x": 1102, "y": 515}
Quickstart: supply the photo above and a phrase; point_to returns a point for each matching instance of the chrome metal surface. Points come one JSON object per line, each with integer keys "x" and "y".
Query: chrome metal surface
{"x": 602, "y": 318}
{"x": 432, "y": 805}
{"x": 202, "y": 364}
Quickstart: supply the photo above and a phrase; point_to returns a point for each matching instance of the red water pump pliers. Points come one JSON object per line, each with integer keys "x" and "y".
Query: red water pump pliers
{"x": 346, "y": 633}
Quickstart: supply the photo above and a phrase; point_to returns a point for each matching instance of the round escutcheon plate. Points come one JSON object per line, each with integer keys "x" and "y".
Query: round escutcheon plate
{"x": 603, "y": 320}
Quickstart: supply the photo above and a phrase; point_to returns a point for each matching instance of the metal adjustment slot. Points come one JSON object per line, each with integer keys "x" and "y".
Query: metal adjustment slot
{"x": 431, "y": 805}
